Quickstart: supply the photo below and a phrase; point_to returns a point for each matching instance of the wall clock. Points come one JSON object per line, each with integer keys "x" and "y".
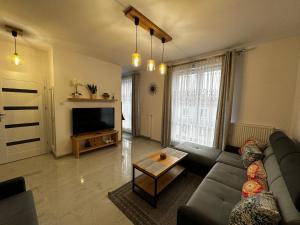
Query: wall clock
{"x": 153, "y": 88}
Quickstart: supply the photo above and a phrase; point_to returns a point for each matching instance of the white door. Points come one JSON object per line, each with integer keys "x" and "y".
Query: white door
{"x": 22, "y": 120}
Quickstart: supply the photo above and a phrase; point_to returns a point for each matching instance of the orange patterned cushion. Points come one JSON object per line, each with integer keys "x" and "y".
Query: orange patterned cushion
{"x": 252, "y": 187}
{"x": 256, "y": 170}
{"x": 249, "y": 142}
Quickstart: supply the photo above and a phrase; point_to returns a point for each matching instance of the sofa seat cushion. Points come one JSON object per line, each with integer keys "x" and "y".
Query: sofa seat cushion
{"x": 203, "y": 155}
{"x": 228, "y": 175}
{"x": 231, "y": 159}
{"x": 213, "y": 202}
{"x": 19, "y": 210}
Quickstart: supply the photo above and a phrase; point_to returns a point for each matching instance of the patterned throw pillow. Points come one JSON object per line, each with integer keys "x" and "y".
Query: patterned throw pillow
{"x": 260, "y": 209}
{"x": 250, "y": 155}
{"x": 256, "y": 171}
{"x": 252, "y": 141}
{"x": 253, "y": 187}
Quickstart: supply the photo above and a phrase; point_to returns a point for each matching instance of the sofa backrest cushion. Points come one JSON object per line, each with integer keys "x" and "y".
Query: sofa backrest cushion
{"x": 276, "y": 136}
{"x": 282, "y": 145}
{"x": 282, "y": 163}
{"x": 290, "y": 169}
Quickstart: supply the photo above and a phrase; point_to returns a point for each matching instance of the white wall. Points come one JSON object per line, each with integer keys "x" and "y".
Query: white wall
{"x": 68, "y": 65}
{"x": 265, "y": 90}
{"x": 34, "y": 60}
{"x": 295, "y": 126}
{"x": 151, "y": 105}
{"x": 266, "y": 84}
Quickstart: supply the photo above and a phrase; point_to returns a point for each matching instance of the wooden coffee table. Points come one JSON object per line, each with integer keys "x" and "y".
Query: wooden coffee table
{"x": 157, "y": 173}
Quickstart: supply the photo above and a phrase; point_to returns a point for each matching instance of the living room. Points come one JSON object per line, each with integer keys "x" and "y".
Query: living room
{"x": 150, "y": 112}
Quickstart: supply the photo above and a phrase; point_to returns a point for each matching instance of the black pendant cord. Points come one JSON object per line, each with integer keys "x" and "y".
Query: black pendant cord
{"x": 136, "y": 22}
{"x": 136, "y": 38}
{"x": 15, "y": 45}
{"x": 15, "y": 34}
{"x": 151, "y": 34}
{"x": 162, "y": 55}
{"x": 151, "y": 47}
{"x": 163, "y": 40}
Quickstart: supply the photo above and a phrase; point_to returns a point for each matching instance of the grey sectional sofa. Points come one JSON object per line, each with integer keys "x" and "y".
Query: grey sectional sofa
{"x": 213, "y": 200}
{"x": 16, "y": 204}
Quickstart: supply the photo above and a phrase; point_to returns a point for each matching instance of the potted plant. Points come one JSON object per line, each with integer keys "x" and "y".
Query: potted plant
{"x": 93, "y": 90}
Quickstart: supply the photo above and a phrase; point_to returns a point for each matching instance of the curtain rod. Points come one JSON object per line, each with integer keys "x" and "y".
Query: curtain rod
{"x": 211, "y": 56}
{"x": 197, "y": 60}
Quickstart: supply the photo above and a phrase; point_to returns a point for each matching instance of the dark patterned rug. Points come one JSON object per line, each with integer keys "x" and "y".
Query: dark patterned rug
{"x": 141, "y": 213}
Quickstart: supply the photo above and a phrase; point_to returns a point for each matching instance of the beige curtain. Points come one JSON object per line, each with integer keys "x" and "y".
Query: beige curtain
{"x": 225, "y": 100}
{"x": 135, "y": 127}
{"x": 166, "y": 116}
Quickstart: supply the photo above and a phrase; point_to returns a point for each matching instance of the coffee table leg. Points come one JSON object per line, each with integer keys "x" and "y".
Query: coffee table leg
{"x": 133, "y": 178}
{"x": 155, "y": 193}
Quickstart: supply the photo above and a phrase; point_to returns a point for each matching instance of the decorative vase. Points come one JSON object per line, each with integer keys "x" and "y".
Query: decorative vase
{"x": 93, "y": 96}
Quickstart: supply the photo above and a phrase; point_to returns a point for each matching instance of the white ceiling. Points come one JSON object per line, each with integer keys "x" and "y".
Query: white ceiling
{"x": 99, "y": 28}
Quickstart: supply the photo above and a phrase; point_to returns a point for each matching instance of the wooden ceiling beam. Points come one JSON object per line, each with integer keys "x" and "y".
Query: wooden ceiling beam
{"x": 11, "y": 28}
{"x": 146, "y": 23}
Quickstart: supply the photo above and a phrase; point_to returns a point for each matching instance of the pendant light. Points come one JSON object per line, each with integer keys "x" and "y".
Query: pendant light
{"x": 162, "y": 65}
{"x": 15, "y": 57}
{"x": 151, "y": 61}
{"x": 136, "y": 57}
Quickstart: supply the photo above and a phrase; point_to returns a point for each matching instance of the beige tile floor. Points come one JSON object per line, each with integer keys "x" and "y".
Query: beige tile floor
{"x": 69, "y": 191}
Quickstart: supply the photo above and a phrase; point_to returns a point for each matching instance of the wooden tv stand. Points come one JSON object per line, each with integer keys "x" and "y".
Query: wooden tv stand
{"x": 91, "y": 141}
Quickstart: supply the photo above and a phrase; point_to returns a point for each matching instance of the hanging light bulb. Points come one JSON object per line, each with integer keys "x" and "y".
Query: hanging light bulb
{"x": 162, "y": 65}
{"x": 151, "y": 61}
{"x": 15, "y": 57}
{"x": 163, "y": 68}
{"x": 136, "y": 57}
{"x": 151, "y": 65}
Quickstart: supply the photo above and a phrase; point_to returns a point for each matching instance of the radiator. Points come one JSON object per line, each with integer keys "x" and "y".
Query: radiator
{"x": 240, "y": 132}
{"x": 146, "y": 125}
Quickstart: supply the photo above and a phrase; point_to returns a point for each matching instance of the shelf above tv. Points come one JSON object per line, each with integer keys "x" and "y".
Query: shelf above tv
{"x": 82, "y": 99}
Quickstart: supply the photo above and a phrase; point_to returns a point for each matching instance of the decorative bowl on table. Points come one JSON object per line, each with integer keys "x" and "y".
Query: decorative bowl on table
{"x": 163, "y": 155}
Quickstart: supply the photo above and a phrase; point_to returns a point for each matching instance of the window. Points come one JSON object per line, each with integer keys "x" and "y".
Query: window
{"x": 195, "y": 93}
{"x": 126, "y": 102}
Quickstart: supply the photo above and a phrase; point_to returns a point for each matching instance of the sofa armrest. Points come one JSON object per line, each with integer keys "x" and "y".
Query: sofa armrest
{"x": 12, "y": 187}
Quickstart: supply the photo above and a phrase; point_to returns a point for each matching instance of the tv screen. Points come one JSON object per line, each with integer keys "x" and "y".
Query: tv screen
{"x": 92, "y": 119}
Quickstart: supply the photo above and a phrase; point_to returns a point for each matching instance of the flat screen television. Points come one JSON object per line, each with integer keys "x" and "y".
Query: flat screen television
{"x": 92, "y": 119}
